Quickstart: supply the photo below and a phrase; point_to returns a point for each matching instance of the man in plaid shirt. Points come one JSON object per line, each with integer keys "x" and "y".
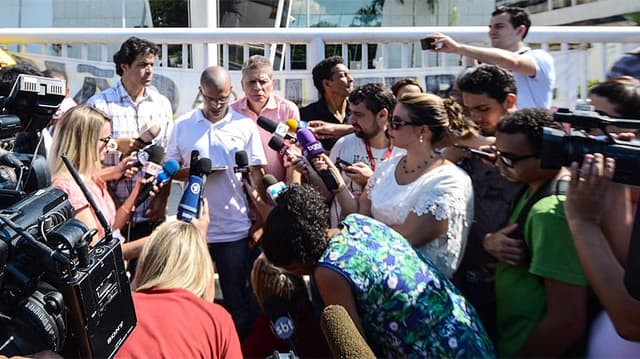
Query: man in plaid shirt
{"x": 133, "y": 105}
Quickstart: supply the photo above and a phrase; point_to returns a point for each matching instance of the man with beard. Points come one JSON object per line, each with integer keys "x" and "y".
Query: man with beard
{"x": 371, "y": 107}
{"x": 328, "y": 116}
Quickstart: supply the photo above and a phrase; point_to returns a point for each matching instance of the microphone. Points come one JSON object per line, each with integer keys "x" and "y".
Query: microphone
{"x": 279, "y": 128}
{"x": 152, "y": 153}
{"x": 168, "y": 169}
{"x": 295, "y": 125}
{"x": 148, "y": 132}
{"x": 311, "y": 149}
{"x": 281, "y": 322}
{"x": 342, "y": 336}
{"x": 189, "y": 206}
{"x": 273, "y": 186}
{"x": 242, "y": 166}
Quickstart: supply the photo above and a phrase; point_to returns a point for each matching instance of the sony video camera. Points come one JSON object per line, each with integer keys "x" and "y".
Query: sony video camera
{"x": 561, "y": 149}
{"x": 27, "y": 110}
{"x": 55, "y": 293}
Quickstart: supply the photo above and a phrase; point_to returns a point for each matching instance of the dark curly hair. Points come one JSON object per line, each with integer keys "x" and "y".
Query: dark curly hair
{"x": 494, "y": 81}
{"x": 517, "y": 16}
{"x": 374, "y": 96}
{"x": 131, "y": 49}
{"x": 529, "y": 121}
{"x": 296, "y": 229}
{"x": 323, "y": 71}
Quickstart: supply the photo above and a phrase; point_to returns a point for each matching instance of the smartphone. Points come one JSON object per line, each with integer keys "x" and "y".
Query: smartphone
{"x": 482, "y": 154}
{"x": 340, "y": 163}
{"x": 428, "y": 43}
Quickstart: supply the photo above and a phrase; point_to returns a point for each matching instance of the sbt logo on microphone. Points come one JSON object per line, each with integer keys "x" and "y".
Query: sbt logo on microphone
{"x": 195, "y": 188}
{"x": 283, "y": 327}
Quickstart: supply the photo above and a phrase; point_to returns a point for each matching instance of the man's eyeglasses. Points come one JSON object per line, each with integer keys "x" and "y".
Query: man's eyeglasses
{"x": 395, "y": 123}
{"x": 510, "y": 160}
{"x": 105, "y": 140}
{"x": 219, "y": 101}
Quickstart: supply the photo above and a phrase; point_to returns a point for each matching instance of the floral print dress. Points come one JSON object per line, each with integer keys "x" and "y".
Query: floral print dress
{"x": 406, "y": 306}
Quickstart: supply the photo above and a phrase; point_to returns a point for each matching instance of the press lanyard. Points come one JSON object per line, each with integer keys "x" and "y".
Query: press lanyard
{"x": 372, "y": 160}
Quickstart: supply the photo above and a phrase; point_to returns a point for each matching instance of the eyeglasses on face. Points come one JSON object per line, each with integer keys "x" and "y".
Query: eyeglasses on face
{"x": 218, "y": 101}
{"x": 105, "y": 140}
{"x": 395, "y": 123}
{"x": 510, "y": 160}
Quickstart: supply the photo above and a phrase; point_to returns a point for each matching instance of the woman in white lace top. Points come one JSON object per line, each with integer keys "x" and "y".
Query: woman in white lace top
{"x": 426, "y": 198}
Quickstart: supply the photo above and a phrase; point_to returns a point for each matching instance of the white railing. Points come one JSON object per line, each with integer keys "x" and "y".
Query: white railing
{"x": 582, "y": 54}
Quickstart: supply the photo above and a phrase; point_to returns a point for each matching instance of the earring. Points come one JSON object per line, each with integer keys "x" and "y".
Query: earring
{"x": 421, "y": 139}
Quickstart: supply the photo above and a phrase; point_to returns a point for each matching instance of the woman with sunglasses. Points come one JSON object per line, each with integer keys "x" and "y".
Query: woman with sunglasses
{"x": 426, "y": 198}
{"x": 84, "y": 135}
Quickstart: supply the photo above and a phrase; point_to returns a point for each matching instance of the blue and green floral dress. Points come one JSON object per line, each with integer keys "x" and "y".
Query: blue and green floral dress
{"x": 406, "y": 306}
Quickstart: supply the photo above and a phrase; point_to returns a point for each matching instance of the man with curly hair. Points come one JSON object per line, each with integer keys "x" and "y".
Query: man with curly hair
{"x": 399, "y": 302}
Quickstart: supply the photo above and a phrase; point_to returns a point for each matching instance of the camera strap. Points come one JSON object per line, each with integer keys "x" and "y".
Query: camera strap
{"x": 551, "y": 187}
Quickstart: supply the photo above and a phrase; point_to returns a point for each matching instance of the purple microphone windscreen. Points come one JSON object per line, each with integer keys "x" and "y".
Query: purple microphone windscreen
{"x": 267, "y": 124}
{"x": 309, "y": 143}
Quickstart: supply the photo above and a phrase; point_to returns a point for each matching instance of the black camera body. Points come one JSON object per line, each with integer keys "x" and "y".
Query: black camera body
{"x": 55, "y": 294}
{"x": 560, "y": 149}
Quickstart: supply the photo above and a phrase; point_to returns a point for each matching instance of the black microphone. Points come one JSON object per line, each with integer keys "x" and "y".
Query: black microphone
{"x": 342, "y": 336}
{"x": 242, "y": 166}
{"x": 195, "y": 155}
{"x": 278, "y": 128}
{"x": 281, "y": 322}
{"x": 168, "y": 169}
{"x": 189, "y": 206}
{"x": 311, "y": 149}
{"x": 152, "y": 153}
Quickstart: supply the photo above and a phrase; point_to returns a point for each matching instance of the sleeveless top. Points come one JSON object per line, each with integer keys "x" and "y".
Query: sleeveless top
{"x": 406, "y": 306}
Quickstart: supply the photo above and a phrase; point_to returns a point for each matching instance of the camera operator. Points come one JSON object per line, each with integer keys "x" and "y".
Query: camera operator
{"x": 83, "y": 136}
{"x": 173, "y": 295}
{"x": 599, "y": 215}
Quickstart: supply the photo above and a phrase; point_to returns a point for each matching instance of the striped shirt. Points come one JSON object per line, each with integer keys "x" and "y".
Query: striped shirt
{"x": 127, "y": 119}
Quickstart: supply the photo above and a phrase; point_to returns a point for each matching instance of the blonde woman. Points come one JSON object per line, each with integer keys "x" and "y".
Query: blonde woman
{"x": 423, "y": 196}
{"x": 83, "y": 135}
{"x": 173, "y": 296}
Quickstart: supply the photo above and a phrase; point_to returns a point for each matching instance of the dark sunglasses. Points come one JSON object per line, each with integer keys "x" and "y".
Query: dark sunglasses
{"x": 510, "y": 160}
{"x": 395, "y": 123}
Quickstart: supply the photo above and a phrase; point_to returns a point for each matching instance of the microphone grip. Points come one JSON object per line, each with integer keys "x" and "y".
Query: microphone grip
{"x": 189, "y": 207}
{"x": 145, "y": 191}
{"x": 329, "y": 180}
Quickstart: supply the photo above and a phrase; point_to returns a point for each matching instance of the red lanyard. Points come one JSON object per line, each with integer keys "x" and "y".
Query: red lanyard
{"x": 372, "y": 160}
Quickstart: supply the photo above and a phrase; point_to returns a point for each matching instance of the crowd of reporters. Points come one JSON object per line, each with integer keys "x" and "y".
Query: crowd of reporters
{"x": 409, "y": 220}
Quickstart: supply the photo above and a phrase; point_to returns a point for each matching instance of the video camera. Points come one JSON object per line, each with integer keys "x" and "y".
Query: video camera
{"x": 561, "y": 149}
{"x": 55, "y": 293}
{"x": 27, "y": 109}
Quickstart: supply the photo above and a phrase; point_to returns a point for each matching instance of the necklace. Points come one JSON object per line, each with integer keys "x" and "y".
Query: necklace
{"x": 419, "y": 166}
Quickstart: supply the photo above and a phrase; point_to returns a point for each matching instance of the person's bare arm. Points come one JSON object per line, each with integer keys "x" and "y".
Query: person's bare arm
{"x": 420, "y": 230}
{"x": 488, "y": 55}
{"x": 335, "y": 289}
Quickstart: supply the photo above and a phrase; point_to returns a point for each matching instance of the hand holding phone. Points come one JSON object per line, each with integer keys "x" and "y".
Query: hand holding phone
{"x": 428, "y": 43}
{"x": 340, "y": 164}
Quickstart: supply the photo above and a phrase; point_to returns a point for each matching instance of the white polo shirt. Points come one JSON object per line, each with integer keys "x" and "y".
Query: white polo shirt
{"x": 228, "y": 207}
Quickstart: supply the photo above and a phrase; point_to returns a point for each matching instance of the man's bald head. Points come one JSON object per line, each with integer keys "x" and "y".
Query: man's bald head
{"x": 215, "y": 76}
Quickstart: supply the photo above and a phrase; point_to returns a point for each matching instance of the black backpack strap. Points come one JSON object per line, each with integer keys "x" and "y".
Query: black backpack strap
{"x": 555, "y": 186}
